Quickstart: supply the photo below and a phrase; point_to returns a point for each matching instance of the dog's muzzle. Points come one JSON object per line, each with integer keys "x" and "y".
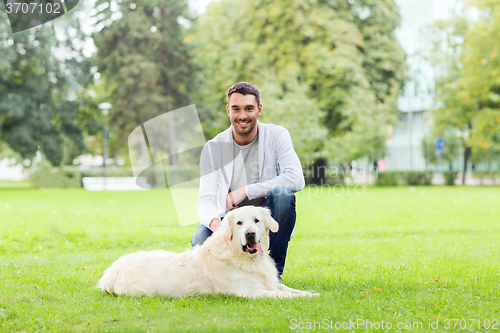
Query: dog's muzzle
{"x": 252, "y": 248}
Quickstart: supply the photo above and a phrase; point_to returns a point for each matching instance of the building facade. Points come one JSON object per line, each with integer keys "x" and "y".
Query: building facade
{"x": 404, "y": 148}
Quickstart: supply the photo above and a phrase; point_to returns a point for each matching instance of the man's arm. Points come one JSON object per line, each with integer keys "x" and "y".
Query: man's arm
{"x": 233, "y": 198}
{"x": 291, "y": 174}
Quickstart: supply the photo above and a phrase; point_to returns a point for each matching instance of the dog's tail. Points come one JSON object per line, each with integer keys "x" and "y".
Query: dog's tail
{"x": 107, "y": 282}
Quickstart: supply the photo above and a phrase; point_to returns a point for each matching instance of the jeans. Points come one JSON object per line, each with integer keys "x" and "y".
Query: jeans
{"x": 281, "y": 202}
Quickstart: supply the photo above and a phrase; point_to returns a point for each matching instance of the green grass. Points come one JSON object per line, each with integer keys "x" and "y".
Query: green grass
{"x": 390, "y": 254}
{"x": 15, "y": 184}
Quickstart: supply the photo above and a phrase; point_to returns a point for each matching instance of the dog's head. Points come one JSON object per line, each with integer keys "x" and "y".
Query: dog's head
{"x": 249, "y": 227}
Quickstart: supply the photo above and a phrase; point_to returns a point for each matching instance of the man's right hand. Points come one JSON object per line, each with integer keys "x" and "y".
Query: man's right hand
{"x": 215, "y": 225}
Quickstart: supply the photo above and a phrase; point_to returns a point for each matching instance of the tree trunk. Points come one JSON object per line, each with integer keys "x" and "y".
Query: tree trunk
{"x": 467, "y": 153}
{"x": 466, "y": 159}
{"x": 171, "y": 129}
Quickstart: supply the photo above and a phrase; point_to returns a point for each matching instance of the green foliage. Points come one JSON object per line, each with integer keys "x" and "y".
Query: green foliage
{"x": 338, "y": 62}
{"x": 301, "y": 117}
{"x": 479, "y": 85}
{"x": 468, "y": 56}
{"x": 36, "y": 111}
{"x": 388, "y": 178}
{"x": 414, "y": 178}
{"x": 486, "y": 174}
{"x": 486, "y": 139}
{"x": 144, "y": 62}
{"x": 336, "y": 178}
{"x": 52, "y": 177}
{"x": 450, "y": 152}
{"x": 395, "y": 178}
{"x": 450, "y": 177}
{"x": 110, "y": 172}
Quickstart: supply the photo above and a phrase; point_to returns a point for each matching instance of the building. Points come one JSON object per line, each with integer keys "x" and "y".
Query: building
{"x": 404, "y": 148}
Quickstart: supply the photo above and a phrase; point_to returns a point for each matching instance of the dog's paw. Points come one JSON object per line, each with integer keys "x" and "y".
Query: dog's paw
{"x": 308, "y": 293}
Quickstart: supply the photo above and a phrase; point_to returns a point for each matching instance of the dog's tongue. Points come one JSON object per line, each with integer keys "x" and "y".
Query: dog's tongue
{"x": 257, "y": 247}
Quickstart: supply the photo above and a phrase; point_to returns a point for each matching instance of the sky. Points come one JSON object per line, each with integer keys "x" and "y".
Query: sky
{"x": 199, "y": 5}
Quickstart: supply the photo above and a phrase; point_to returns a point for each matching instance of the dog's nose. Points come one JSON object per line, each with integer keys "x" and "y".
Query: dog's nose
{"x": 249, "y": 234}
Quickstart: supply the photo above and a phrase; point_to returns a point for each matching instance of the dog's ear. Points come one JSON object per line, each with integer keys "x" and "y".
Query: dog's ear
{"x": 270, "y": 223}
{"x": 227, "y": 226}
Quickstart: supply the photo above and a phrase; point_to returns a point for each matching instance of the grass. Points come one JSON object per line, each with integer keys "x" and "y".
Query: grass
{"x": 15, "y": 184}
{"x": 410, "y": 255}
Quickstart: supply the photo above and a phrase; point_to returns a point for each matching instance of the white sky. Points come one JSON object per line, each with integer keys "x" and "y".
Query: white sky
{"x": 199, "y": 5}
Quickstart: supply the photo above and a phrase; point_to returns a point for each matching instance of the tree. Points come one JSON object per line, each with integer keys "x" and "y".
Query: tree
{"x": 385, "y": 69}
{"x": 143, "y": 61}
{"x": 468, "y": 88}
{"x": 344, "y": 66}
{"x": 37, "y": 109}
{"x": 480, "y": 84}
{"x": 453, "y": 117}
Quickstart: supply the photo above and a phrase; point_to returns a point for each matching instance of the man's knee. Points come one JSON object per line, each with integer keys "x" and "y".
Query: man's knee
{"x": 200, "y": 235}
{"x": 283, "y": 195}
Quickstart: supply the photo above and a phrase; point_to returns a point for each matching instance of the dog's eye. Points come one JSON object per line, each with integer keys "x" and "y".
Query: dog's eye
{"x": 256, "y": 221}
{"x": 239, "y": 223}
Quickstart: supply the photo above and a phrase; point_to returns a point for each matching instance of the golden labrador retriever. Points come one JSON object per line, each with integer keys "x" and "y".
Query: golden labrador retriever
{"x": 233, "y": 260}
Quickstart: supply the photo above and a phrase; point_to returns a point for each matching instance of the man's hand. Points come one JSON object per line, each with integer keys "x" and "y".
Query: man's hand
{"x": 235, "y": 197}
{"x": 215, "y": 225}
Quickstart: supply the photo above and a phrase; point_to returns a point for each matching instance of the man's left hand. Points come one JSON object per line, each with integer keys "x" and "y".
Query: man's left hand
{"x": 235, "y": 197}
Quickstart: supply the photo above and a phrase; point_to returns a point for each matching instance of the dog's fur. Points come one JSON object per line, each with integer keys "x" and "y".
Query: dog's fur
{"x": 233, "y": 260}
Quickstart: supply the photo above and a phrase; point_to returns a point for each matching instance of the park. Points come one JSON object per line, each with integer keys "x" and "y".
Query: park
{"x": 134, "y": 125}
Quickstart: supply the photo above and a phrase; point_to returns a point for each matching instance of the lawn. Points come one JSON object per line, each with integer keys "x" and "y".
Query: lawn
{"x": 402, "y": 256}
{"x": 15, "y": 184}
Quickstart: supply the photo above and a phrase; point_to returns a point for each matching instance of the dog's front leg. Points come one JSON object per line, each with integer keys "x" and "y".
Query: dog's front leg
{"x": 271, "y": 294}
{"x": 282, "y": 287}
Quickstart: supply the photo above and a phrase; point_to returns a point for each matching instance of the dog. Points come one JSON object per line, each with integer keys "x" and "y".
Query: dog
{"x": 233, "y": 261}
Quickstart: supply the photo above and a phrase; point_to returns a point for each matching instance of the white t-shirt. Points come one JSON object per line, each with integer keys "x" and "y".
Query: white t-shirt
{"x": 246, "y": 169}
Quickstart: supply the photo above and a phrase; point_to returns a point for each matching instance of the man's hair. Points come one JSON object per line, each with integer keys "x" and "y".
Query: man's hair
{"x": 244, "y": 88}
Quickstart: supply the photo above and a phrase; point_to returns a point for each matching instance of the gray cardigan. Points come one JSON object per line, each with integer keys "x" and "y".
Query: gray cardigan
{"x": 279, "y": 165}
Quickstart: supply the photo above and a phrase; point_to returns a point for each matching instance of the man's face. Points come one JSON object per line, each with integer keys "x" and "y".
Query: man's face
{"x": 243, "y": 112}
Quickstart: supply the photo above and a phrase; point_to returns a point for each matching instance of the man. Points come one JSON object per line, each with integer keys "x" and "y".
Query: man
{"x": 250, "y": 163}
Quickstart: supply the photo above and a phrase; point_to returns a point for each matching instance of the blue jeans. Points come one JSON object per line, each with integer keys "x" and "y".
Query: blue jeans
{"x": 281, "y": 202}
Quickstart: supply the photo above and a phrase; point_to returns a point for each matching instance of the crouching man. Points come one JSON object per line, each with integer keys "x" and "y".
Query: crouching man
{"x": 250, "y": 163}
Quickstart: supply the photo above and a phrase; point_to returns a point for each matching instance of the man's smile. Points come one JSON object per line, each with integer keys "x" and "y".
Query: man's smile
{"x": 244, "y": 123}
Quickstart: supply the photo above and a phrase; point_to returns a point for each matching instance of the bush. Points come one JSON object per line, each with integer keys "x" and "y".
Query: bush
{"x": 485, "y": 174}
{"x": 388, "y": 178}
{"x": 338, "y": 179}
{"x": 418, "y": 178}
{"x": 64, "y": 177}
{"x": 110, "y": 172}
{"x": 412, "y": 178}
{"x": 450, "y": 177}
